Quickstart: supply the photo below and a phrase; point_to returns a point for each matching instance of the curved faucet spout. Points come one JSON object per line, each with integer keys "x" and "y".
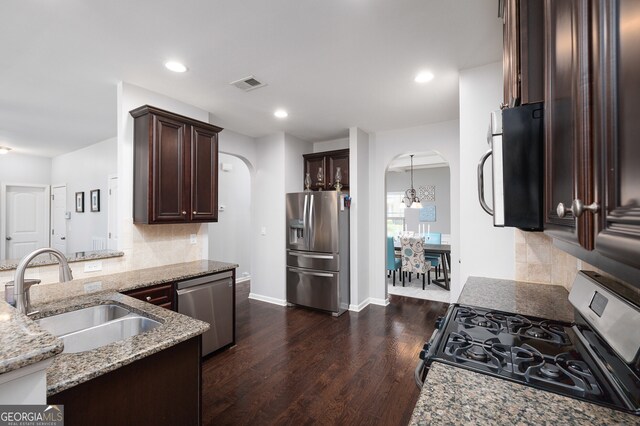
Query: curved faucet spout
{"x": 21, "y": 291}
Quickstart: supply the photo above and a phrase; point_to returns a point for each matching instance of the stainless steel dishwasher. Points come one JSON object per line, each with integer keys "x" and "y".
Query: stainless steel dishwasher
{"x": 209, "y": 299}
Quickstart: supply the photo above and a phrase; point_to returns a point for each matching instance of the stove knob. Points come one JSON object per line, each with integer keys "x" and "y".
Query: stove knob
{"x": 439, "y": 322}
{"x": 423, "y": 352}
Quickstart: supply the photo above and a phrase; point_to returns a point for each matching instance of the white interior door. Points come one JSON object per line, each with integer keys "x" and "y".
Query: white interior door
{"x": 112, "y": 213}
{"x": 58, "y": 218}
{"x": 27, "y": 219}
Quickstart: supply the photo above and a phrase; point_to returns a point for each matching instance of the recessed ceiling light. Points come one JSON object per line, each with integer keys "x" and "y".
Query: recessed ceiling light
{"x": 424, "y": 77}
{"x": 4, "y": 150}
{"x": 175, "y": 66}
{"x": 280, "y": 113}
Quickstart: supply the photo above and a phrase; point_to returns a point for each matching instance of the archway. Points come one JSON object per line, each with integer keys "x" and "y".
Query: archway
{"x": 430, "y": 216}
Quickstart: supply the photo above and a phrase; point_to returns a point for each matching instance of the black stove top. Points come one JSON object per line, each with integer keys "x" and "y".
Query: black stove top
{"x": 532, "y": 351}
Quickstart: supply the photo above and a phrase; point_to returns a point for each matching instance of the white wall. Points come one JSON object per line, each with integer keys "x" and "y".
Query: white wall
{"x": 385, "y": 146}
{"x": 83, "y": 171}
{"x": 268, "y": 215}
{"x": 229, "y": 236}
{"x": 359, "y": 144}
{"x": 332, "y": 145}
{"x": 484, "y": 250}
{"x": 21, "y": 168}
{"x": 438, "y": 176}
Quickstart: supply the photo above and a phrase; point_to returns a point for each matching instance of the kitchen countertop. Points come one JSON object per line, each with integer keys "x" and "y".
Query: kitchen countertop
{"x": 539, "y": 300}
{"x": 453, "y": 395}
{"x": 46, "y": 259}
{"x": 23, "y": 342}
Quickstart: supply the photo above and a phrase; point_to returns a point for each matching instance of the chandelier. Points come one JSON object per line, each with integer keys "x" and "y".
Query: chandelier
{"x": 410, "y": 196}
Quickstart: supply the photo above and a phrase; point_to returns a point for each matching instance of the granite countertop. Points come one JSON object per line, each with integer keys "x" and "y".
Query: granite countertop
{"x": 46, "y": 259}
{"x": 453, "y": 395}
{"x": 68, "y": 370}
{"x": 539, "y": 300}
{"x": 23, "y": 342}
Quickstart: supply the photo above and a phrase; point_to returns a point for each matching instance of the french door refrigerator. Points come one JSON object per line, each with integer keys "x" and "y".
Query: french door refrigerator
{"x": 318, "y": 251}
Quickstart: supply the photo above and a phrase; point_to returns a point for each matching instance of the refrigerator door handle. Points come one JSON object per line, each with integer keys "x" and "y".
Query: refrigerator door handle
{"x": 305, "y": 219}
{"x": 311, "y": 225}
{"x": 311, "y": 256}
{"x": 315, "y": 274}
{"x": 483, "y": 203}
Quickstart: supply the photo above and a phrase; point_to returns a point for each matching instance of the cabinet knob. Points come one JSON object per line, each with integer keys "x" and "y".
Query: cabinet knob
{"x": 184, "y": 212}
{"x": 577, "y": 208}
{"x": 148, "y": 298}
{"x": 194, "y": 212}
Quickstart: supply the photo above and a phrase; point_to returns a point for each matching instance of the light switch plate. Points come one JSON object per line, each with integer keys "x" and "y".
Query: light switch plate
{"x": 193, "y": 239}
{"x": 94, "y": 266}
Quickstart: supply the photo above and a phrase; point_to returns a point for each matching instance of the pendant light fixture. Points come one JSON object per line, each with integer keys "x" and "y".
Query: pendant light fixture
{"x": 410, "y": 196}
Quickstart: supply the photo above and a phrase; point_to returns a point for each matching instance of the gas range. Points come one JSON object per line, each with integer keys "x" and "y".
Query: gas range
{"x": 570, "y": 359}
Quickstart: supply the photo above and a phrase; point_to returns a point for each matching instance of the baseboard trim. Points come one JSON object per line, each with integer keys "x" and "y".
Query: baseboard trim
{"x": 361, "y": 306}
{"x": 379, "y": 302}
{"x": 243, "y": 279}
{"x": 272, "y": 300}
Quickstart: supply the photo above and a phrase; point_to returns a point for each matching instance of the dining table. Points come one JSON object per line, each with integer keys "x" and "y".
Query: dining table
{"x": 444, "y": 251}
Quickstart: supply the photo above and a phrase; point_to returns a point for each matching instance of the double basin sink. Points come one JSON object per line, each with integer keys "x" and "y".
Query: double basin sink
{"x": 90, "y": 328}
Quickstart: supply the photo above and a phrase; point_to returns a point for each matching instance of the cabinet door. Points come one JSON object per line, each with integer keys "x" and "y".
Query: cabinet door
{"x": 312, "y": 164}
{"x": 511, "y": 53}
{"x": 167, "y": 174}
{"x": 204, "y": 175}
{"x": 568, "y": 163}
{"x": 338, "y": 160}
{"x": 616, "y": 93}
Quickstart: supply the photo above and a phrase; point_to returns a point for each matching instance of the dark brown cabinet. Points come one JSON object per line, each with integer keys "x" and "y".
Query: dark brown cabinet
{"x": 569, "y": 163}
{"x": 616, "y": 90}
{"x": 160, "y": 295}
{"x": 175, "y": 168}
{"x": 523, "y": 52}
{"x": 329, "y": 161}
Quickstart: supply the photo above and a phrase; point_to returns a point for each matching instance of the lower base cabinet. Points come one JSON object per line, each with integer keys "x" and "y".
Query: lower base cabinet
{"x": 162, "y": 389}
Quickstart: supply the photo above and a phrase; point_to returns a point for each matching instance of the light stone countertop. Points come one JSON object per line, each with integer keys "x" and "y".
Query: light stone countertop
{"x": 23, "y": 342}
{"x": 453, "y": 395}
{"x": 46, "y": 259}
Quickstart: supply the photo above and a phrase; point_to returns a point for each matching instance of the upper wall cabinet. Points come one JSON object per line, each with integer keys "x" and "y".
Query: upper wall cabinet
{"x": 329, "y": 161}
{"x": 175, "y": 168}
{"x": 523, "y": 52}
{"x": 616, "y": 128}
{"x": 568, "y": 150}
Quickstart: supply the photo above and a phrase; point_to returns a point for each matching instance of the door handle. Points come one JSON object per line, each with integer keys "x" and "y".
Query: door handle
{"x": 311, "y": 256}
{"x": 315, "y": 274}
{"x": 8, "y": 238}
{"x": 63, "y": 238}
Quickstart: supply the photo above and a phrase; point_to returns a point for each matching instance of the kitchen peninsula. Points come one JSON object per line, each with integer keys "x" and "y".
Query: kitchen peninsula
{"x": 153, "y": 376}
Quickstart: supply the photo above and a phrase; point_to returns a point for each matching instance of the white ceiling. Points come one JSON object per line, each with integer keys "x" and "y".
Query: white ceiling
{"x": 421, "y": 160}
{"x": 332, "y": 64}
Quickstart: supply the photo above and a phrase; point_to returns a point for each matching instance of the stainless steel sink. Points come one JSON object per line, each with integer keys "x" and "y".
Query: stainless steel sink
{"x": 81, "y": 319}
{"x": 97, "y": 326}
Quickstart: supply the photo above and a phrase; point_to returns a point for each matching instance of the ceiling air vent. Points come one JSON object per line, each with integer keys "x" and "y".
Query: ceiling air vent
{"x": 248, "y": 83}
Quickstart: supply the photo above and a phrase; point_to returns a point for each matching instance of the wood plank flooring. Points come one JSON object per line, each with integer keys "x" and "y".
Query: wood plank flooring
{"x": 298, "y": 366}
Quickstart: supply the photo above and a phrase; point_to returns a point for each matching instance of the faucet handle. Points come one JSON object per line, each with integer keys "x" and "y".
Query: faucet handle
{"x": 30, "y": 282}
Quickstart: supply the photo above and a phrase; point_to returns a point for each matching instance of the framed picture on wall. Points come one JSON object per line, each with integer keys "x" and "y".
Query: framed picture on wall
{"x": 95, "y": 200}
{"x": 79, "y": 202}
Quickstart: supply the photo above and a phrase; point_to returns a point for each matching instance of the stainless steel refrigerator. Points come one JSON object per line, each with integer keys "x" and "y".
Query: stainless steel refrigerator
{"x": 318, "y": 251}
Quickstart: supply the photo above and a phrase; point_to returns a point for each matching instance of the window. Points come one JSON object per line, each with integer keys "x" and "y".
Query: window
{"x": 395, "y": 213}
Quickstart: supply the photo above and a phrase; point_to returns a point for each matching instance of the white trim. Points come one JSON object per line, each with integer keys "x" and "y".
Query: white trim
{"x": 243, "y": 279}
{"x": 273, "y": 300}
{"x": 361, "y": 306}
{"x": 380, "y": 302}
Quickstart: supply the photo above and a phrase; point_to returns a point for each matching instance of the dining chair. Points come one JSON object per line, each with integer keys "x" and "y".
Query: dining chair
{"x": 393, "y": 263}
{"x": 413, "y": 259}
{"x": 433, "y": 238}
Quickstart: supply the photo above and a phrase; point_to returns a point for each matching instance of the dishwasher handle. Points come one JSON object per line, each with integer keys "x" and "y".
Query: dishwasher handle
{"x": 204, "y": 280}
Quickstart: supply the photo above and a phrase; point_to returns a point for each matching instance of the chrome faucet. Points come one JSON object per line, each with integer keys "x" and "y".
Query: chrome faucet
{"x": 21, "y": 287}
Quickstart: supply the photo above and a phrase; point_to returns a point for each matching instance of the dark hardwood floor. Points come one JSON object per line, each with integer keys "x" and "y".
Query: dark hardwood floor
{"x": 298, "y": 366}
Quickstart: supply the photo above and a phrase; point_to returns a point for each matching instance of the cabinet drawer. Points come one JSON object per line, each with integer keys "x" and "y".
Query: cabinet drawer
{"x": 160, "y": 295}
